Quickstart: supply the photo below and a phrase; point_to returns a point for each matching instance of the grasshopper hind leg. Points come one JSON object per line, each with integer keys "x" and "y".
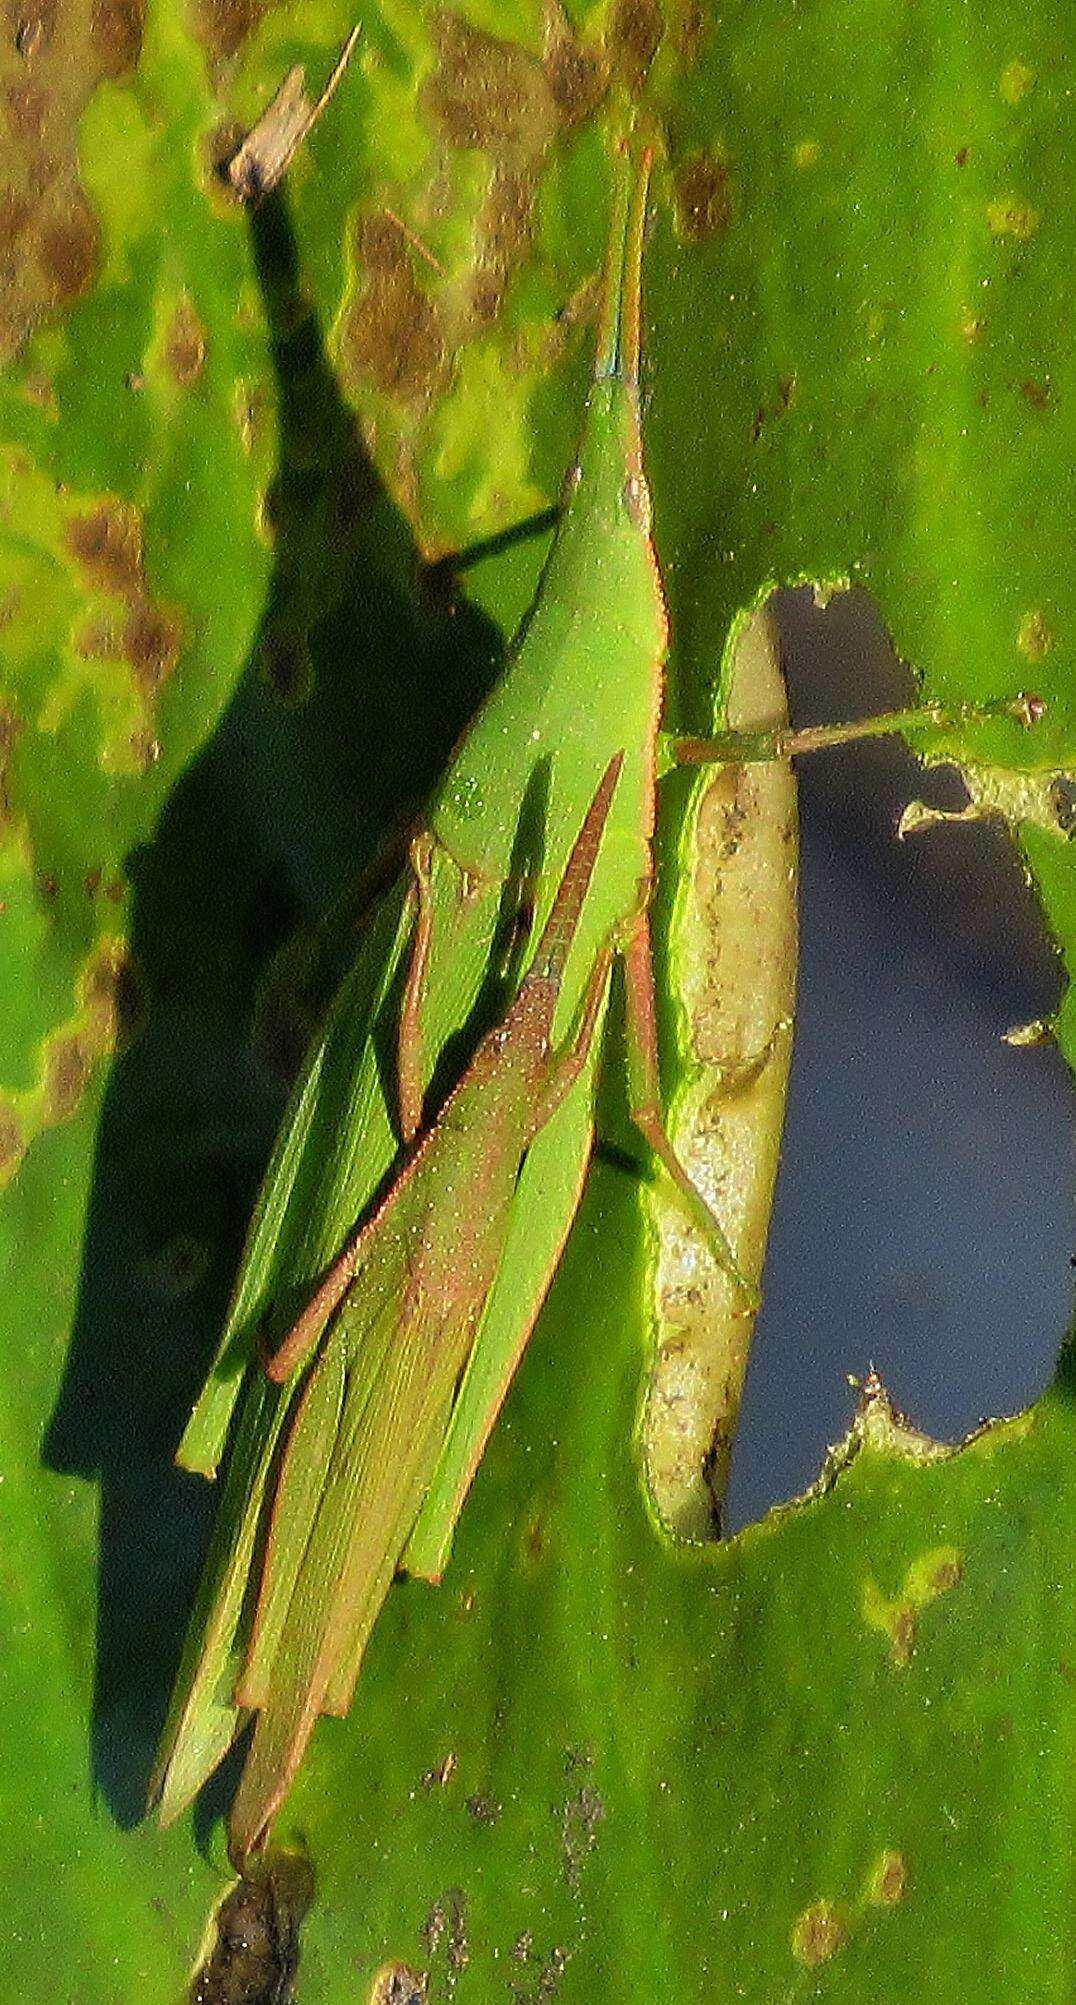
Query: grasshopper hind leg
{"x": 646, "y": 1109}
{"x": 782, "y": 741}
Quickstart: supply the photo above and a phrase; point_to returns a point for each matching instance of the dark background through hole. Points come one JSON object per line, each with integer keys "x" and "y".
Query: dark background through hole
{"x": 924, "y": 1208}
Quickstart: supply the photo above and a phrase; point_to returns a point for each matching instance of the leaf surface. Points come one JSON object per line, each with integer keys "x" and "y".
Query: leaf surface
{"x": 834, "y": 1758}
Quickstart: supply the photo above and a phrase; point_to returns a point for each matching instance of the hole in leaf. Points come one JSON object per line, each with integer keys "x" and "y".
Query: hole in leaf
{"x": 924, "y": 1204}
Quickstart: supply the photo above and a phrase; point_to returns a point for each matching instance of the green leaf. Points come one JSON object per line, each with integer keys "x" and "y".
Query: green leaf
{"x": 833, "y": 1758}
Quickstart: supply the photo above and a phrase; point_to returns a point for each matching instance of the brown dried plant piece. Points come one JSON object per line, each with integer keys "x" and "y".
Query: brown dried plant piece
{"x": 263, "y": 157}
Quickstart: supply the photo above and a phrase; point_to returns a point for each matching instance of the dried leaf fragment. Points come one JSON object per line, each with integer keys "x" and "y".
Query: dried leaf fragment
{"x": 264, "y": 156}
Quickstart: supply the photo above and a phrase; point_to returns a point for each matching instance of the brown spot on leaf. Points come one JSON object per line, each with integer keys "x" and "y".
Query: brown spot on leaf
{"x": 95, "y": 638}
{"x": 484, "y": 1808}
{"x": 488, "y": 93}
{"x": 185, "y": 344}
{"x": 550, "y": 1974}
{"x": 703, "y": 190}
{"x": 903, "y": 1630}
{"x": 446, "y": 1923}
{"x": 12, "y": 1141}
{"x": 962, "y": 156}
{"x": 68, "y": 1065}
{"x": 27, "y": 109}
{"x": 575, "y": 73}
{"x": 224, "y": 25}
{"x": 394, "y": 335}
{"x": 115, "y": 995}
{"x": 151, "y": 644}
{"x": 1037, "y": 394}
{"x": 690, "y": 31}
{"x": 633, "y": 38}
{"x": 398, "y": 1984}
{"x": 890, "y": 1880}
{"x": 14, "y": 214}
{"x": 582, "y": 1817}
{"x": 47, "y": 87}
{"x": 786, "y": 391}
{"x": 116, "y": 27}
{"x": 818, "y": 1933}
{"x": 948, "y": 1573}
{"x": 67, "y": 253}
{"x": 108, "y": 545}
{"x": 112, "y": 1011}
{"x": 10, "y": 730}
{"x": 503, "y": 230}
{"x": 930, "y": 1575}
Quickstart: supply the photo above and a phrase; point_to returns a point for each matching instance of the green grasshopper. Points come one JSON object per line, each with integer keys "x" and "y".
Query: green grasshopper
{"x": 410, "y": 1291}
{"x": 355, "y": 1447}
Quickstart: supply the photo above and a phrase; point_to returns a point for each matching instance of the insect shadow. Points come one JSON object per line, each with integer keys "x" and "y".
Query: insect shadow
{"x": 357, "y": 685}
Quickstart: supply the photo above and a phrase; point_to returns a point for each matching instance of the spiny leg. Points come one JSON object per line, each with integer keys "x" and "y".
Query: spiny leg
{"x": 784, "y": 742}
{"x": 646, "y": 1101}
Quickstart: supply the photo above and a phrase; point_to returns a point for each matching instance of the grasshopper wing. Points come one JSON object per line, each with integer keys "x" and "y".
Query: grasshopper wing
{"x": 336, "y": 1144}
{"x": 384, "y": 1387}
{"x": 371, "y": 1423}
